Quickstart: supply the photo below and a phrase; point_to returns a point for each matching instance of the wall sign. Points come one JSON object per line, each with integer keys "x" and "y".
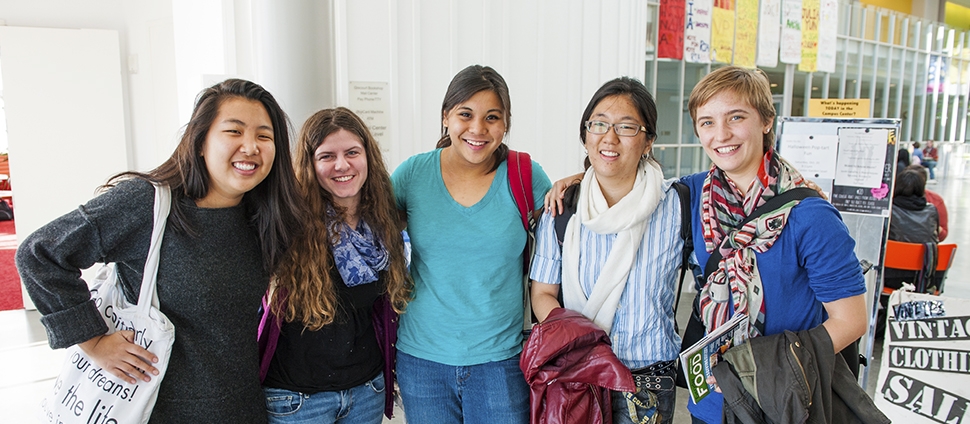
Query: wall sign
{"x": 371, "y": 101}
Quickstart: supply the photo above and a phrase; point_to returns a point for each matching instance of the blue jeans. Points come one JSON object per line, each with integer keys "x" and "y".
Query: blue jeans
{"x": 361, "y": 404}
{"x": 645, "y": 404}
{"x": 493, "y": 392}
{"x": 930, "y": 164}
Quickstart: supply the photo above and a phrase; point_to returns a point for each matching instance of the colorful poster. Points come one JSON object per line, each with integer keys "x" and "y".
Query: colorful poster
{"x": 722, "y": 31}
{"x": 791, "y": 31}
{"x": 746, "y": 33}
{"x": 809, "y": 36}
{"x": 769, "y": 29}
{"x": 697, "y": 31}
{"x": 936, "y": 74}
{"x": 671, "y": 45}
{"x": 828, "y": 26}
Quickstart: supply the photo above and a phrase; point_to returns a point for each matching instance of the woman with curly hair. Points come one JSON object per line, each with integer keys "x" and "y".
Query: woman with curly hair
{"x": 331, "y": 320}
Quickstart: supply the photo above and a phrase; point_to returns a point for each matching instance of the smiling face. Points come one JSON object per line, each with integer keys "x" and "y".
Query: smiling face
{"x": 476, "y": 128}
{"x": 341, "y": 167}
{"x": 613, "y": 158}
{"x": 238, "y": 151}
{"x": 732, "y": 134}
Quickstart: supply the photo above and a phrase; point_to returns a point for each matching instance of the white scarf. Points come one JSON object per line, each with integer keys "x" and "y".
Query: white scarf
{"x": 627, "y": 219}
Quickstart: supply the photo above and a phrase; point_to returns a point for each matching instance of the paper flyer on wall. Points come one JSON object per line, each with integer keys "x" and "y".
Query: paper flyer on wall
{"x": 698, "y": 361}
{"x": 925, "y": 360}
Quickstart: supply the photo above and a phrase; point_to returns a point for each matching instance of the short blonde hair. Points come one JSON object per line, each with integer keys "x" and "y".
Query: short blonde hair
{"x": 750, "y": 84}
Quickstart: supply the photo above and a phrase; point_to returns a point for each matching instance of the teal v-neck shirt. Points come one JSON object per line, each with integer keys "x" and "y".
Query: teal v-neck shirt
{"x": 466, "y": 264}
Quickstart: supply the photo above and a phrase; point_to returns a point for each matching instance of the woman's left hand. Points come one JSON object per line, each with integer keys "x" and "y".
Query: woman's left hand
{"x": 811, "y": 184}
{"x": 713, "y": 380}
{"x": 553, "y": 200}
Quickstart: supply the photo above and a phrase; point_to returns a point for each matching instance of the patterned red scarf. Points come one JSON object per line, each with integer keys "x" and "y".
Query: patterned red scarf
{"x": 722, "y": 209}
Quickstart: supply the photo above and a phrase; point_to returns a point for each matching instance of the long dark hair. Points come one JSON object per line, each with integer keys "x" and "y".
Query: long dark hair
{"x": 305, "y": 275}
{"x": 467, "y": 83}
{"x": 273, "y": 205}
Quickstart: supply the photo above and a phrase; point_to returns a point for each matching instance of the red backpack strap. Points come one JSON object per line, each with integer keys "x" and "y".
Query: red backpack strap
{"x": 520, "y": 181}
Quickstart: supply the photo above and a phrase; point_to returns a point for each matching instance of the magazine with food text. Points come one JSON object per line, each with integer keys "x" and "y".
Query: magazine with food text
{"x": 698, "y": 361}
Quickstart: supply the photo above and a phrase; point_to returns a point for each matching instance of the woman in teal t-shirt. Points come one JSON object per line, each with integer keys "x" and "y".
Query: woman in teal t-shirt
{"x": 459, "y": 342}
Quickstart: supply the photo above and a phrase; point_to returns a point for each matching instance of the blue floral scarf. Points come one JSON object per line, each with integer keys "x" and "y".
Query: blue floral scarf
{"x": 358, "y": 254}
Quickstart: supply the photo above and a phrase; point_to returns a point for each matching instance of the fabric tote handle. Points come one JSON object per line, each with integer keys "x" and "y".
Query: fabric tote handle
{"x": 148, "y": 296}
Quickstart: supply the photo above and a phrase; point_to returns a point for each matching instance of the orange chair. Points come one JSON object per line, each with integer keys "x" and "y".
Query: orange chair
{"x": 909, "y": 257}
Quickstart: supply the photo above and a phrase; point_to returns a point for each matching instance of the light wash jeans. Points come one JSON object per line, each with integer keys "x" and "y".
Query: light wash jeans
{"x": 363, "y": 404}
{"x": 433, "y": 393}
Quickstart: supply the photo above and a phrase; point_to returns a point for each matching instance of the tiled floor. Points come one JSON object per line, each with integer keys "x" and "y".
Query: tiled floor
{"x": 28, "y": 366}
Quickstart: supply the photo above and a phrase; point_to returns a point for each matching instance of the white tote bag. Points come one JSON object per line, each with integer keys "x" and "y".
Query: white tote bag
{"x": 85, "y": 393}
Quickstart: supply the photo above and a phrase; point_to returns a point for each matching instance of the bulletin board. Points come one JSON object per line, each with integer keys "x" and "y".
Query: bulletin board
{"x": 854, "y": 162}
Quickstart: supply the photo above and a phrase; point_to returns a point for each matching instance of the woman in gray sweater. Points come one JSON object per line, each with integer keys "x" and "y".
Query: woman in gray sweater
{"x": 234, "y": 208}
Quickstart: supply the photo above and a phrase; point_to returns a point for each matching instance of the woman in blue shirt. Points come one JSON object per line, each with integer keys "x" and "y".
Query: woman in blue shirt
{"x": 803, "y": 264}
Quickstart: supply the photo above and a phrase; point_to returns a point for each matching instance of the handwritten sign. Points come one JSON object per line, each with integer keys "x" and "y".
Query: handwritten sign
{"x": 370, "y": 101}
{"x": 838, "y": 108}
{"x": 809, "y": 36}
{"x": 791, "y": 31}
{"x": 671, "y": 45}
{"x": 746, "y": 33}
{"x": 697, "y": 31}
{"x": 722, "y": 31}
{"x": 828, "y": 24}
{"x": 769, "y": 33}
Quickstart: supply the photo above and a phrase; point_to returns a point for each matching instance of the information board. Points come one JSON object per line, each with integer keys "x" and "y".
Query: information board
{"x": 853, "y": 161}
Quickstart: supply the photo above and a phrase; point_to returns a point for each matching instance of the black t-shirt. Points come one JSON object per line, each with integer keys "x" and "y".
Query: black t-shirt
{"x": 339, "y": 356}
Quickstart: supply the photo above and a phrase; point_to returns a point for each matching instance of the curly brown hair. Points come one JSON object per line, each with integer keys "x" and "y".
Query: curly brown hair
{"x": 304, "y": 283}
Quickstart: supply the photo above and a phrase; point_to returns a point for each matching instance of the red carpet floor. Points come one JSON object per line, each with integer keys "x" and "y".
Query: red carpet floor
{"x": 10, "y": 294}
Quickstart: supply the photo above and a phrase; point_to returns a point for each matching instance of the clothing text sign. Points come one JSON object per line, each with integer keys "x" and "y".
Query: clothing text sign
{"x": 926, "y": 363}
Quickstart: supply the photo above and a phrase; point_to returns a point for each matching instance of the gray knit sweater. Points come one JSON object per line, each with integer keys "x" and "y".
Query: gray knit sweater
{"x": 209, "y": 286}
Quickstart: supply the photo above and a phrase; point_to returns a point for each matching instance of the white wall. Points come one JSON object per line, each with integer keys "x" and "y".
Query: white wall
{"x": 284, "y": 46}
{"x": 553, "y": 55}
{"x": 293, "y": 54}
{"x": 144, "y": 31}
{"x": 170, "y": 49}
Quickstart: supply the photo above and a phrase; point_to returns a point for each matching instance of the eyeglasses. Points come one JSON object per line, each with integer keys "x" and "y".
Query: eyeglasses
{"x": 622, "y": 130}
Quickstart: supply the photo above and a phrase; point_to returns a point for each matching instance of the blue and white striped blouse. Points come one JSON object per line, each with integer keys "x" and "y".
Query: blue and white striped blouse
{"x": 643, "y": 327}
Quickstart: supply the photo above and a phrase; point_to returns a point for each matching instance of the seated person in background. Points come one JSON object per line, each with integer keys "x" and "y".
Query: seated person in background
{"x": 936, "y": 200}
{"x": 902, "y": 160}
{"x": 917, "y": 154}
{"x": 913, "y": 219}
{"x": 930, "y": 157}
